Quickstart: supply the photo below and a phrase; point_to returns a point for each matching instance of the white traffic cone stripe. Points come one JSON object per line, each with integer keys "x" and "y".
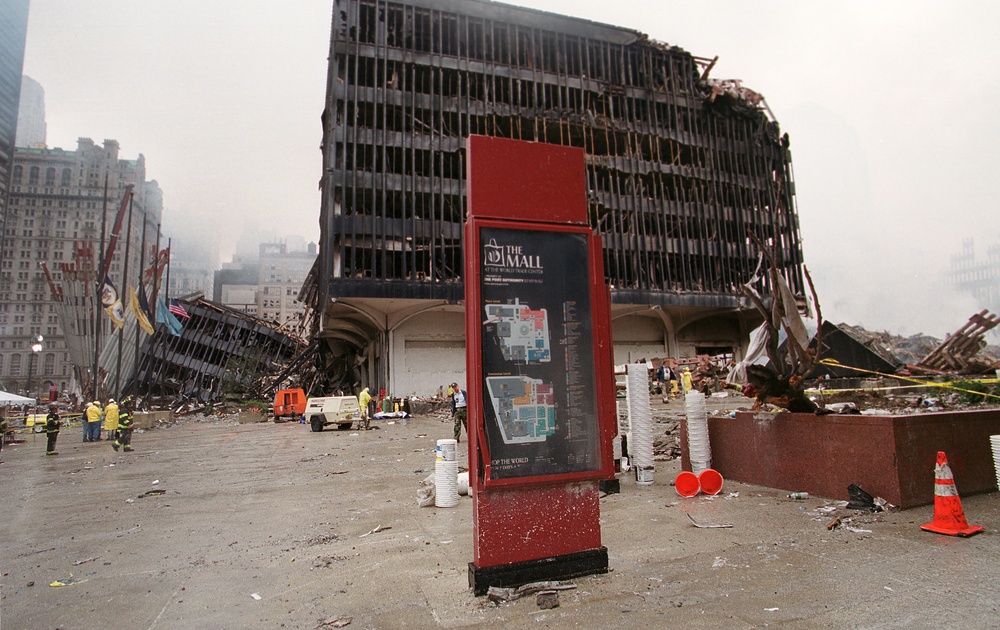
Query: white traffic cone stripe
{"x": 944, "y": 482}
{"x": 945, "y": 490}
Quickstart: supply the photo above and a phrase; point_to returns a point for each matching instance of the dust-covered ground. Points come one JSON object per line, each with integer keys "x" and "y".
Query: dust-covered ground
{"x": 212, "y": 524}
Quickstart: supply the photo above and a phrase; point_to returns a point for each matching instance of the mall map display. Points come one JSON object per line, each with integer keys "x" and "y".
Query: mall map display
{"x": 538, "y": 378}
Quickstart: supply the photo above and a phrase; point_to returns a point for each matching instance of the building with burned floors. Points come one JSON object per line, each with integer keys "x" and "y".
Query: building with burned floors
{"x": 681, "y": 171}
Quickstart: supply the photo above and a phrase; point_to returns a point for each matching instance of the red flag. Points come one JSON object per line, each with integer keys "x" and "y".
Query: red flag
{"x": 158, "y": 265}
{"x": 115, "y": 229}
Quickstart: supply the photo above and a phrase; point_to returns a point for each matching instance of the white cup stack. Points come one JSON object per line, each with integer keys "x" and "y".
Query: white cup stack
{"x": 697, "y": 427}
{"x": 446, "y": 474}
{"x": 995, "y": 444}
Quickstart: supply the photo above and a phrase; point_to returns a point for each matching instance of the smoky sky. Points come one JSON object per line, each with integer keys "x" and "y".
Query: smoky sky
{"x": 889, "y": 107}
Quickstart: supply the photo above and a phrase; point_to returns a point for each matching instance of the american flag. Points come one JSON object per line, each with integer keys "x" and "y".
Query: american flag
{"x": 178, "y": 310}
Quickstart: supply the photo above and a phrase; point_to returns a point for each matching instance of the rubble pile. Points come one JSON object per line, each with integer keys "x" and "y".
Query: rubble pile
{"x": 908, "y": 350}
{"x": 905, "y": 349}
{"x": 667, "y": 446}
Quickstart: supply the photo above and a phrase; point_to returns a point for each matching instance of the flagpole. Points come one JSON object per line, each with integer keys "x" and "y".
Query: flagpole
{"x": 121, "y": 331}
{"x": 142, "y": 267}
{"x": 156, "y": 286}
{"x": 166, "y": 288}
{"x": 156, "y": 271}
{"x": 97, "y": 292}
{"x": 153, "y": 310}
{"x": 166, "y": 304}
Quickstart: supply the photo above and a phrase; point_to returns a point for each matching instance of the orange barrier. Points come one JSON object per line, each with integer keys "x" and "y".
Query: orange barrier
{"x": 949, "y": 519}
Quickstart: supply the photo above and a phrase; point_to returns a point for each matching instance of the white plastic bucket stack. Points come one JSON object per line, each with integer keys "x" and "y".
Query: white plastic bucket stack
{"x": 640, "y": 443}
{"x": 446, "y": 474}
{"x": 995, "y": 444}
{"x": 697, "y": 427}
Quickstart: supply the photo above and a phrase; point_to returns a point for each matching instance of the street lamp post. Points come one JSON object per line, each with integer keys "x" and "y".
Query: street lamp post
{"x": 36, "y": 347}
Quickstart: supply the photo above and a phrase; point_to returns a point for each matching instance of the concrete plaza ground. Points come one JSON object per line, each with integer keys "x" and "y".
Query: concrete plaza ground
{"x": 274, "y": 526}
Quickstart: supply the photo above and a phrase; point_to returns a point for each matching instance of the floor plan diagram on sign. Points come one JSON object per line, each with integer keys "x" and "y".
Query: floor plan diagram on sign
{"x": 523, "y": 333}
{"x": 524, "y": 408}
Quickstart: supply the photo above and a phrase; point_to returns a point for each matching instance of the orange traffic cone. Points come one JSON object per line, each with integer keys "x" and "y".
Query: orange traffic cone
{"x": 948, "y": 515}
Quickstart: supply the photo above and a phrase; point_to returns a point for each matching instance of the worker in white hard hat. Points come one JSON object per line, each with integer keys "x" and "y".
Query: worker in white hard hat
{"x": 111, "y": 419}
{"x": 92, "y": 422}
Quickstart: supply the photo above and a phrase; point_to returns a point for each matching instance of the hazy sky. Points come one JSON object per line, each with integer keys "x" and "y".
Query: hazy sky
{"x": 890, "y": 107}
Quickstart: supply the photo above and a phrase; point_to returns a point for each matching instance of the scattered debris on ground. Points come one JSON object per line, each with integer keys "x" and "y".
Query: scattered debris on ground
{"x": 505, "y": 594}
{"x": 380, "y": 528}
{"x": 708, "y": 525}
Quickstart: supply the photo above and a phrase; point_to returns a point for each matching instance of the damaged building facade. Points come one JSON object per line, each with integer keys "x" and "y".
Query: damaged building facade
{"x": 681, "y": 170}
{"x": 219, "y": 353}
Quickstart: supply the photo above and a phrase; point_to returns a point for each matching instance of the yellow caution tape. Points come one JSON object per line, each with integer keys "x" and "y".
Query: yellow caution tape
{"x": 919, "y": 383}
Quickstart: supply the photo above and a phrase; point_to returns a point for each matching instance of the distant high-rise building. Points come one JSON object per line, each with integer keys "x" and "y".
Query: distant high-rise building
{"x": 281, "y": 274}
{"x": 191, "y": 268}
{"x": 31, "y": 127}
{"x": 267, "y": 286}
{"x": 13, "y": 33}
{"x": 978, "y": 277}
{"x": 55, "y": 219}
{"x": 235, "y": 286}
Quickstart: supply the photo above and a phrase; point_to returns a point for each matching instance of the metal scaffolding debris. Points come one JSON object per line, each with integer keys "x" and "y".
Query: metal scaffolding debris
{"x": 955, "y": 353}
{"x": 74, "y": 299}
{"x": 220, "y": 352}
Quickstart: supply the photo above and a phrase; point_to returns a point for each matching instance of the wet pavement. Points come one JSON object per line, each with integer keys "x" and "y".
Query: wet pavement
{"x": 271, "y": 526}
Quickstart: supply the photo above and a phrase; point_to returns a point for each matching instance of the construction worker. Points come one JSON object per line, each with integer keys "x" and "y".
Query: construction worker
{"x": 124, "y": 440}
{"x": 688, "y": 384}
{"x": 92, "y": 422}
{"x": 3, "y": 427}
{"x": 363, "y": 399}
{"x": 111, "y": 419}
{"x": 84, "y": 423}
{"x": 461, "y": 399}
{"x": 52, "y": 424}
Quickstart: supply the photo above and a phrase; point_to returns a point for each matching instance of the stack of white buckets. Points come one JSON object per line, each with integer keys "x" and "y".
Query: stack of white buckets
{"x": 640, "y": 442}
{"x": 446, "y": 474}
{"x": 995, "y": 444}
{"x": 697, "y": 426}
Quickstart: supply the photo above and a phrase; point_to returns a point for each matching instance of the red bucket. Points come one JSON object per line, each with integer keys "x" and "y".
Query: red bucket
{"x": 711, "y": 481}
{"x": 687, "y": 484}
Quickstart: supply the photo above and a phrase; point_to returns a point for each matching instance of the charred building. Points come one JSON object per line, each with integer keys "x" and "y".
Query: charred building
{"x": 681, "y": 170}
{"x": 219, "y": 353}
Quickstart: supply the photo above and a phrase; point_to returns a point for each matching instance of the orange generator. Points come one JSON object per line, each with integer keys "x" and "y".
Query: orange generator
{"x": 289, "y": 403}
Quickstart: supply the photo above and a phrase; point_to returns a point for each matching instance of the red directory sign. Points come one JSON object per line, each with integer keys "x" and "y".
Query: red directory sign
{"x": 540, "y": 383}
{"x": 539, "y": 392}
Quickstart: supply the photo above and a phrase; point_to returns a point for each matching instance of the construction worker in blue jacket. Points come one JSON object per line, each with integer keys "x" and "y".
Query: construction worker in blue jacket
{"x": 124, "y": 440}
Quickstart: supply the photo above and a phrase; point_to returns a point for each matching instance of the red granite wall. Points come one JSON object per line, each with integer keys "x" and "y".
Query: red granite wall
{"x": 888, "y": 456}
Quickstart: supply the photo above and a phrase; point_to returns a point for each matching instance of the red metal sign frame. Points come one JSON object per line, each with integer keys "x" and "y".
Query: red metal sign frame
{"x": 534, "y": 526}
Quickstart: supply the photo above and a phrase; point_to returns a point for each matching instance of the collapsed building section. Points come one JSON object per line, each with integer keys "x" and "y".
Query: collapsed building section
{"x": 958, "y": 352}
{"x": 219, "y": 353}
{"x": 681, "y": 170}
{"x": 851, "y": 350}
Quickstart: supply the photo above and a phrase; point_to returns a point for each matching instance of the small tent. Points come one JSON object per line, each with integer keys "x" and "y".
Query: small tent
{"x": 14, "y": 399}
